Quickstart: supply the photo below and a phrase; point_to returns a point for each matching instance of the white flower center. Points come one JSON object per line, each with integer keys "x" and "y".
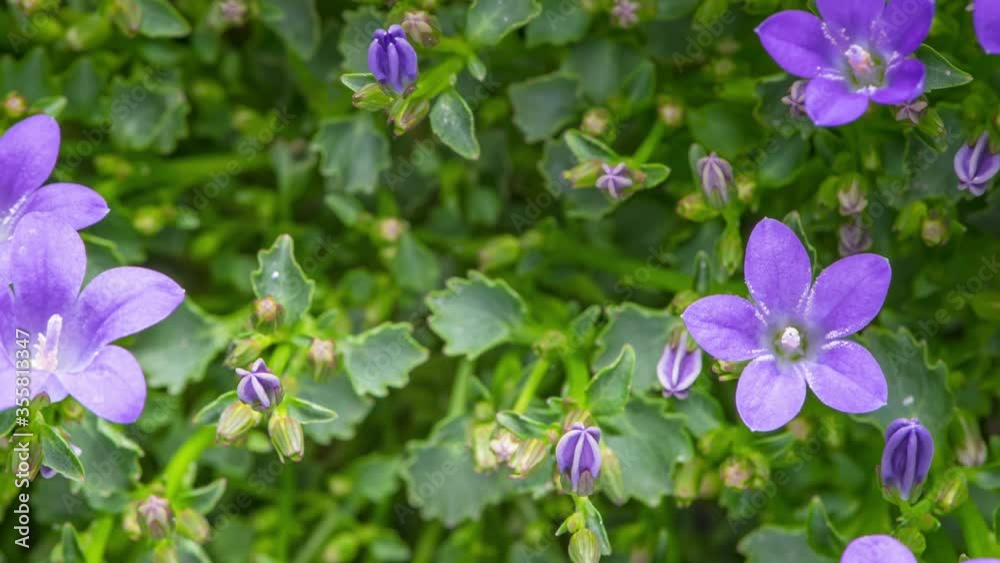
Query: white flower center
{"x": 46, "y": 356}
{"x": 791, "y": 340}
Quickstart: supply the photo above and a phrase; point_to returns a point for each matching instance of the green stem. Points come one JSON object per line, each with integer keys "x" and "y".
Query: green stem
{"x": 577, "y": 376}
{"x": 189, "y": 451}
{"x": 659, "y": 277}
{"x": 320, "y": 532}
{"x": 976, "y": 531}
{"x": 286, "y": 509}
{"x": 100, "y": 530}
{"x": 531, "y": 386}
{"x": 460, "y": 388}
{"x": 650, "y": 143}
{"x": 427, "y": 544}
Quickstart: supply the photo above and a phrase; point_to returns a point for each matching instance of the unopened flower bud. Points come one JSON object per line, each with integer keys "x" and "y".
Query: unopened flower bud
{"x": 372, "y": 97}
{"x": 612, "y": 478}
{"x": 322, "y": 356}
{"x": 852, "y": 200}
{"x": 912, "y": 111}
{"x": 420, "y": 26}
{"x": 731, "y": 250}
{"x": 687, "y": 482}
{"x": 233, "y": 12}
{"x": 694, "y": 207}
{"x": 165, "y": 552}
{"x": 716, "y": 175}
{"x": 245, "y": 350}
{"x": 578, "y": 455}
{"x": 796, "y": 98}
{"x": 482, "y": 453}
{"x": 737, "y": 473}
{"x": 267, "y": 312}
{"x": 909, "y": 449}
{"x": 504, "y": 445}
{"x": 934, "y": 230}
{"x": 583, "y": 547}
{"x": 235, "y": 422}
{"x": 155, "y": 516}
{"x": 390, "y": 229}
{"x": 679, "y": 366}
{"x": 583, "y": 175}
{"x": 410, "y": 113}
{"x": 193, "y": 525}
{"x": 15, "y": 105}
{"x": 625, "y": 13}
{"x": 670, "y": 112}
{"x": 529, "y": 454}
{"x": 854, "y": 238}
{"x": 499, "y": 252}
{"x": 952, "y": 491}
{"x": 258, "y": 387}
{"x": 970, "y": 447}
{"x": 286, "y": 436}
{"x": 614, "y": 179}
{"x": 595, "y": 122}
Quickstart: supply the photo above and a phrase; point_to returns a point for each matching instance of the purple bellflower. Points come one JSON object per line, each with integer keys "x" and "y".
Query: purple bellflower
{"x": 877, "y": 549}
{"x": 678, "y": 368}
{"x": 578, "y": 455}
{"x": 68, "y": 331}
{"x": 976, "y": 165}
{"x": 794, "y": 329}
{"x": 986, "y": 17}
{"x": 259, "y": 387}
{"x": 859, "y": 51}
{"x": 615, "y": 179}
{"x": 28, "y": 153}
{"x": 909, "y": 449}
{"x": 392, "y": 59}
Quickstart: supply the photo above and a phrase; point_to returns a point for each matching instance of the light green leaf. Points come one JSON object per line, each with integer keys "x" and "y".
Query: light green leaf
{"x": 489, "y": 21}
{"x": 586, "y": 148}
{"x": 724, "y": 127}
{"x": 453, "y": 123}
{"x": 701, "y": 411}
{"x": 357, "y": 80}
{"x": 382, "y": 357}
{"x": 353, "y": 153}
{"x": 602, "y": 66}
{"x": 160, "y": 19}
{"x": 203, "y": 499}
{"x": 58, "y": 455}
{"x": 156, "y": 115}
{"x": 308, "y": 412}
{"x": 476, "y": 314}
{"x": 280, "y": 276}
{"x": 941, "y": 73}
{"x": 210, "y": 413}
{"x": 377, "y": 476}
{"x": 522, "y": 426}
{"x": 338, "y": 394}
{"x": 296, "y": 22}
{"x": 770, "y": 544}
{"x": 608, "y": 392}
{"x": 823, "y": 538}
{"x": 643, "y": 329}
{"x": 559, "y": 23}
{"x": 656, "y": 174}
{"x": 543, "y": 105}
{"x": 178, "y": 351}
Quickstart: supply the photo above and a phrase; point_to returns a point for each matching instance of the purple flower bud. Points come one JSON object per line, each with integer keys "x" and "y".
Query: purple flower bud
{"x": 625, "y": 13}
{"x": 796, "y": 98}
{"x": 909, "y": 449}
{"x": 392, "y": 59}
{"x": 716, "y": 174}
{"x": 155, "y": 516}
{"x": 47, "y": 472}
{"x": 852, "y": 200}
{"x": 578, "y": 455}
{"x": 854, "y": 238}
{"x": 258, "y": 387}
{"x": 614, "y": 179}
{"x": 421, "y": 27}
{"x": 678, "y": 368}
{"x": 976, "y": 165}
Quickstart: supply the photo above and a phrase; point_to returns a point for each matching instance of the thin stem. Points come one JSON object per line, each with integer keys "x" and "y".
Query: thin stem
{"x": 577, "y": 376}
{"x": 531, "y": 386}
{"x": 286, "y": 507}
{"x": 426, "y": 545}
{"x": 319, "y": 534}
{"x": 100, "y": 530}
{"x": 650, "y": 143}
{"x": 460, "y": 388}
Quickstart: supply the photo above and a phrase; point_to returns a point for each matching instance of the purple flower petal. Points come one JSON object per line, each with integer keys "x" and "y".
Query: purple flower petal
{"x": 79, "y": 206}
{"x": 847, "y": 378}
{"x": 796, "y": 41}
{"x": 986, "y": 17}
{"x": 377, "y": 61}
{"x": 407, "y": 59}
{"x": 767, "y": 397}
{"x": 392, "y": 67}
{"x": 904, "y": 26}
{"x": 28, "y": 153}
{"x": 112, "y": 386}
{"x": 726, "y": 326}
{"x": 566, "y": 448}
{"x": 904, "y": 83}
{"x": 829, "y": 103}
{"x": 678, "y": 367}
{"x": 777, "y": 268}
{"x": 850, "y": 21}
{"x": 849, "y": 294}
{"x": 48, "y": 262}
{"x": 115, "y": 304}
{"x": 877, "y": 549}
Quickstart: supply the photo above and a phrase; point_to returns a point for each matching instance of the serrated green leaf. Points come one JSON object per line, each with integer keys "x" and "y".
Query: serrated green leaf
{"x": 941, "y": 73}
{"x": 488, "y": 21}
{"x": 452, "y": 121}
{"x": 643, "y": 329}
{"x": 823, "y": 538}
{"x": 770, "y": 543}
{"x": 382, "y": 357}
{"x": 279, "y": 276}
{"x": 210, "y": 413}
{"x": 308, "y": 412}
{"x": 476, "y": 314}
{"x": 543, "y": 105}
{"x": 353, "y": 153}
{"x": 58, "y": 455}
{"x": 297, "y": 22}
{"x": 160, "y": 19}
{"x": 177, "y": 351}
{"x": 608, "y": 392}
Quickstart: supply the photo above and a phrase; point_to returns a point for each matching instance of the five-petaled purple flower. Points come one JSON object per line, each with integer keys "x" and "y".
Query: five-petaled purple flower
{"x": 986, "y": 17}
{"x": 909, "y": 449}
{"x": 69, "y": 332}
{"x": 28, "y": 153}
{"x": 392, "y": 59}
{"x": 678, "y": 368}
{"x": 859, "y": 51}
{"x": 578, "y": 455}
{"x": 259, "y": 387}
{"x": 877, "y": 549}
{"x": 976, "y": 165}
{"x": 615, "y": 179}
{"x": 794, "y": 330}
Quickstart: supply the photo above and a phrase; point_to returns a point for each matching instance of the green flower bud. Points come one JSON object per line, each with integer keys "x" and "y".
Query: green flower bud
{"x": 687, "y": 482}
{"x": 193, "y": 525}
{"x": 612, "y": 479}
{"x": 15, "y": 105}
{"x": 583, "y": 547}
{"x": 286, "y": 436}
{"x": 267, "y": 313}
{"x": 583, "y": 175}
{"x": 576, "y": 522}
{"x": 410, "y": 113}
{"x": 595, "y": 122}
{"x": 499, "y": 252}
{"x": 482, "y": 454}
{"x": 235, "y": 422}
{"x": 694, "y": 207}
{"x": 372, "y": 97}
{"x": 245, "y": 350}
{"x": 970, "y": 447}
{"x": 670, "y": 111}
{"x": 934, "y": 230}
{"x": 912, "y": 538}
{"x": 528, "y": 456}
{"x": 165, "y": 552}
{"x": 731, "y": 250}
{"x": 130, "y": 521}
{"x": 322, "y": 356}
{"x": 421, "y": 27}
{"x": 155, "y": 517}
{"x": 952, "y": 491}
{"x": 25, "y": 457}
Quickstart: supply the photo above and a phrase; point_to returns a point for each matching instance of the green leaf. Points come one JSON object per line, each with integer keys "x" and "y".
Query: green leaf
{"x": 376, "y": 476}
{"x": 643, "y": 329}
{"x": 279, "y": 276}
{"x": 338, "y": 394}
{"x": 296, "y": 22}
{"x": 649, "y": 444}
{"x": 356, "y": 34}
{"x": 353, "y": 153}
{"x": 160, "y": 19}
{"x": 474, "y": 315}
{"x": 702, "y": 412}
{"x": 308, "y": 412}
{"x": 488, "y": 21}
{"x": 986, "y": 305}
{"x": 107, "y": 455}
{"x": 203, "y": 499}
{"x": 154, "y": 117}
{"x": 441, "y": 477}
{"x": 674, "y": 9}
{"x": 656, "y": 174}
{"x": 58, "y": 455}
{"x": 823, "y": 538}
{"x": 608, "y": 392}
{"x": 602, "y": 66}
{"x": 414, "y": 265}
{"x": 917, "y": 388}
{"x": 941, "y": 73}
{"x": 543, "y": 105}
{"x": 178, "y": 351}
{"x": 453, "y": 123}
{"x": 770, "y": 543}
{"x": 210, "y": 413}
{"x": 522, "y": 426}
{"x": 382, "y": 357}
{"x": 557, "y": 25}
{"x": 357, "y": 80}
{"x": 72, "y": 551}
{"x": 724, "y": 127}
{"x": 586, "y": 148}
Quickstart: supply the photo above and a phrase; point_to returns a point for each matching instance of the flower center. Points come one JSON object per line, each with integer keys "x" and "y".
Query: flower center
{"x": 46, "y": 356}
{"x": 866, "y": 69}
{"x": 790, "y": 343}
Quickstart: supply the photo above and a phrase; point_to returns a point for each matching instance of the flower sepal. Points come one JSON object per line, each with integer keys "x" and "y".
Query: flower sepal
{"x": 373, "y": 97}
